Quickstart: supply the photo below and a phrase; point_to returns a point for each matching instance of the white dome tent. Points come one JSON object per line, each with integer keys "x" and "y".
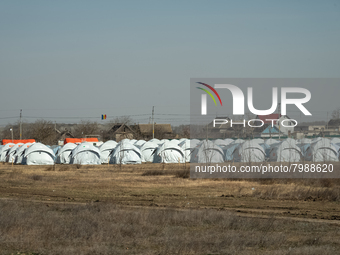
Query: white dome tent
{"x": 183, "y": 139}
{"x": 188, "y": 147}
{"x": 304, "y": 144}
{"x": 175, "y": 141}
{"x": 106, "y": 149}
{"x": 19, "y": 155}
{"x": 147, "y": 150}
{"x": 285, "y": 152}
{"x": 207, "y": 152}
{"x": 335, "y": 140}
{"x": 229, "y": 140}
{"x": 38, "y": 154}
{"x": 291, "y": 141}
{"x": 237, "y": 141}
{"x": 3, "y": 151}
{"x": 271, "y": 141}
{"x": 304, "y": 141}
{"x": 126, "y": 153}
{"x": 10, "y": 158}
{"x": 155, "y": 140}
{"x": 169, "y": 152}
{"x": 85, "y": 154}
{"x": 63, "y": 154}
{"x": 139, "y": 143}
{"x": 222, "y": 143}
{"x": 322, "y": 150}
{"x": 258, "y": 140}
{"x": 229, "y": 150}
{"x": 249, "y": 151}
{"x": 266, "y": 148}
{"x": 125, "y": 140}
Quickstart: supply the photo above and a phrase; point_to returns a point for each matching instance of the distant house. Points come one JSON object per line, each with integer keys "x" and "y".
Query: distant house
{"x": 141, "y": 131}
{"x": 271, "y": 120}
{"x": 121, "y": 131}
{"x": 271, "y": 132}
{"x": 62, "y": 135}
{"x": 161, "y": 131}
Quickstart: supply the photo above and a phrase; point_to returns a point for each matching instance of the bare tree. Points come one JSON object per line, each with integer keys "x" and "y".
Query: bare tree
{"x": 336, "y": 113}
{"x": 123, "y": 120}
{"x": 42, "y": 131}
{"x": 86, "y": 128}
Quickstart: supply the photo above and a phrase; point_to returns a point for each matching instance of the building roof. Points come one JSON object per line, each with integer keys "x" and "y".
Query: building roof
{"x": 122, "y": 128}
{"x": 271, "y": 130}
{"x": 147, "y": 128}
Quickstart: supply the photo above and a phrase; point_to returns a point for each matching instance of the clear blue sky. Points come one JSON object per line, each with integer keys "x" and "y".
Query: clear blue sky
{"x": 87, "y": 58}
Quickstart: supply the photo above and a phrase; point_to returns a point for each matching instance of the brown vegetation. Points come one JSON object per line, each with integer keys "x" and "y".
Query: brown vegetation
{"x": 108, "y": 229}
{"x": 156, "y": 209}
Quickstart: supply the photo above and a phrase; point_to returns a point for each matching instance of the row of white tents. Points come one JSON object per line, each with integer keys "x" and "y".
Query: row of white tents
{"x": 174, "y": 151}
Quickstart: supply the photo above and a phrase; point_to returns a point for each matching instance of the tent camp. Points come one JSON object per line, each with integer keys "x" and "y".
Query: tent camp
{"x": 11, "y": 154}
{"x": 85, "y": 154}
{"x": 55, "y": 148}
{"x": 322, "y": 150}
{"x": 207, "y": 152}
{"x": 38, "y": 154}
{"x": 126, "y": 153}
{"x": 139, "y": 143}
{"x": 267, "y": 148}
{"x": 271, "y": 141}
{"x": 3, "y": 151}
{"x": 304, "y": 144}
{"x": 229, "y": 150}
{"x": 169, "y": 152}
{"x": 106, "y": 149}
{"x": 19, "y": 155}
{"x": 222, "y": 143}
{"x": 188, "y": 147}
{"x": 335, "y": 140}
{"x": 285, "y": 152}
{"x": 249, "y": 151}
{"x": 155, "y": 140}
{"x": 304, "y": 141}
{"x": 147, "y": 150}
{"x": 229, "y": 140}
{"x": 63, "y": 154}
{"x": 258, "y": 140}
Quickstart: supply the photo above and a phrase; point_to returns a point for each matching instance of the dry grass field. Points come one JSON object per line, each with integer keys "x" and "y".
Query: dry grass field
{"x": 157, "y": 209}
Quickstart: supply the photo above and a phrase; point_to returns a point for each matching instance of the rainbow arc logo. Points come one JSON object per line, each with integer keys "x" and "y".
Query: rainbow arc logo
{"x": 209, "y": 93}
{"x": 204, "y": 97}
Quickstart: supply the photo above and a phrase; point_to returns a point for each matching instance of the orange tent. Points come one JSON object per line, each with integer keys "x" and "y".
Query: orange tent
{"x": 80, "y": 140}
{"x": 6, "y": 141}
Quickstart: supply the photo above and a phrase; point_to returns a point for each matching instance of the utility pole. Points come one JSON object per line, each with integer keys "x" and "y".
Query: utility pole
{"x": 20, "y": 124}
{"x": 153, "y": 123}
